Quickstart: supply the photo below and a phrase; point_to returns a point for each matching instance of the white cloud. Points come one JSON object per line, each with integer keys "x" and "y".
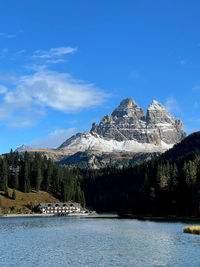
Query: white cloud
{"x": 59, "y": 91}
{"x": 27, "y": 97}
{"x": 182, "y": 62}
{"x": 54, "y": 139}
{"x": 171, "y": 105}
{"x": 3, "y": 89}
{"x": 32, "y": 94}
{"x": 54, "y": 52}
{"x": 8, "y": 77}
{"x": 55, "y": 61}
{"x": 22, "y": 51}
{"x": 21, "y": 122}
{"x": 196, "y": 105}
{"x": 196, "y": 88}
{"x": 4, "y": 52}
{"x": 134, "y": 75}
{"x": 10, "y": 35}
{"x": 7, "y": 35}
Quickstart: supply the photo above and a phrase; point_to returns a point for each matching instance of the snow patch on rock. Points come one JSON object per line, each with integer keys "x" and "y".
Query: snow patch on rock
{"x": 88, "y": 142}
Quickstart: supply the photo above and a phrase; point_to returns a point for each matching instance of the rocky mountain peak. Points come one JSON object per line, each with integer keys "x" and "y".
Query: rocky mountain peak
{"x": 128, "y": 122}
{"x": 127, "y": 103}
{"x": 23, "y": 148}
{"x": 128, "y": 129}
{"x": 129, "y": 108}
{"x": 155, "y": 105}
{"x": 156, "y": 113}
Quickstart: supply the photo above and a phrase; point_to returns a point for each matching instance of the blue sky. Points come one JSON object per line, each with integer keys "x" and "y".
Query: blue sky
{"x": 65, "y": 64}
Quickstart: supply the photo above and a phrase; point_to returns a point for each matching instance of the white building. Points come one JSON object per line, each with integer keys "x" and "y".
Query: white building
{"x": 59, "y": 208}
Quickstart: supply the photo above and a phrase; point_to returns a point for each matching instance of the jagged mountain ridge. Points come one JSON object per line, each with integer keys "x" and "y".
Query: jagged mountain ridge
{"x": 129, "y": 129}
{"x": 22, "y": 148}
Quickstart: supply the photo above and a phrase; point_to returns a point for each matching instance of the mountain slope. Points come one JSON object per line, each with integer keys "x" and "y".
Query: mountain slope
{"x": 187, "y": 146}
{"x": 24, "y": 201}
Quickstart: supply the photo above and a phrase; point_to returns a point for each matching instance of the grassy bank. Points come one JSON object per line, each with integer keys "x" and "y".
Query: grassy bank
{"x": 192, "y": 230}
{"x": 24, "y": 202}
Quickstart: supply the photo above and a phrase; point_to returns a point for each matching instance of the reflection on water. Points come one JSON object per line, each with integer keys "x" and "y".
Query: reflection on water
{"x": 74, "y": 241}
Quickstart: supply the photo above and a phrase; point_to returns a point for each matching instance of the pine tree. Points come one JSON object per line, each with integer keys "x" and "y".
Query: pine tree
{"x": 15, "y": 181}
{"x": 173, "y": 177}
{"x": 64, "y": 192}
{"x": 38, "y": 179}
{"x": 14, "y": 194}
{"x": 26, "y": 178}
{"x": 82, "y": 199}
{"x": 190, "y": 172}
{"x": 47, "y": 176}
{"x": 5, "y": 176}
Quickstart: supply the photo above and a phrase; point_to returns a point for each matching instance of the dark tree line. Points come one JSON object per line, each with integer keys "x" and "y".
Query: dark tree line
{"x": 162, "y": 186}
{"x": 34, "y": 172}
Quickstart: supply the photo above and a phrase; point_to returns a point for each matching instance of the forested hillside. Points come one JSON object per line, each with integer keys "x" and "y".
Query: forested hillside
{"x": 33, "y": 172}
{"x": 167, "y": 185}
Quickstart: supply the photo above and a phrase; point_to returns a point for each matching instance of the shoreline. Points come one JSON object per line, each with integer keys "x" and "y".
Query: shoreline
{"x": 103, "y": 216}
{"x": 15, "y": 215}
{"x": 149, "y": 218}
{"x": 160, "y": 218}
{"x": 22, "y": 215}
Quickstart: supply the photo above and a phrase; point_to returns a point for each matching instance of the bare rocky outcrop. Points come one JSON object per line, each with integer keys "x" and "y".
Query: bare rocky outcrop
{"x": 128, "y": 122}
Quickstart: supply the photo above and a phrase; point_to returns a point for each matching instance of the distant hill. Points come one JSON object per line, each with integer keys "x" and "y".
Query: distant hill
{"x": 97, "y": 161}
{"x": 55, "y": 155}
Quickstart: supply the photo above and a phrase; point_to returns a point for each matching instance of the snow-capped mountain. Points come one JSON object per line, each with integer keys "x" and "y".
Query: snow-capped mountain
{"x": 22, "y": 148}
{"x": 129, "y": 129}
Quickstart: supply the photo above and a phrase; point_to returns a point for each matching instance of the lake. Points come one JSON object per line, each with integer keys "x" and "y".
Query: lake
{"x": 78, "y": 241}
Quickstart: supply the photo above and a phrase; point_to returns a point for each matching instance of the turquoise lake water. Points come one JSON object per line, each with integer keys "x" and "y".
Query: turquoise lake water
{"x": 77, "y": 241}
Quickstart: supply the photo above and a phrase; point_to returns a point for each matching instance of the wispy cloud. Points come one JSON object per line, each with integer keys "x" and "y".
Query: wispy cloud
{"x": 8, "y": 77}
{"x": 54, "y": 53}
{"x": 196, "y": 88}
{"x": 182, "y": 62}
{"x": 7, "y": 35}
{"x": 196, "y": 105}
{"x": 4, "y": 52}
{"x": 25, "y": 99}
{"x": 54, "y": 139}
{"x": 134, "y": 75}
{"x": 59, "y": 91}
{"x": 3, "y": 89}
{"x": 171, "y": 105}
{"x": 55, "y": 61}
{"x": 190, "y": 129}
{"x": 22, "y": 51}
{"x": 33, "y": 94}
{"x": 10, "y": 35}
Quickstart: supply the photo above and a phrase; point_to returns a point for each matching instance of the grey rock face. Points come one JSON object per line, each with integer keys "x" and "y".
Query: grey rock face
{"x": 128, "y": 122}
